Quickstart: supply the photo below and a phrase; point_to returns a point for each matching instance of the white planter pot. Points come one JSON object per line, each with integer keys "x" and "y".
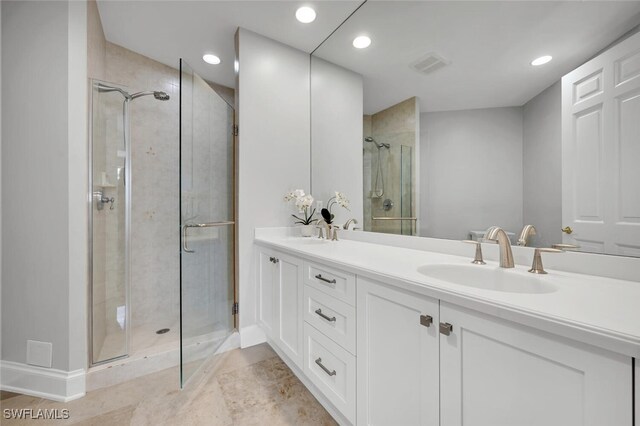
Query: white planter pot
{"x": 307, "y": 230}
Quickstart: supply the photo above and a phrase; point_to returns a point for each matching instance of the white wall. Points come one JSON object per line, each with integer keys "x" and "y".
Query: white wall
{"x": 273, "y": 113}
{"x": 44, "y": 178}
{"x": 542, "y": 186}
{"x": 336, "y": 137}
{"x": 471, "y": 171}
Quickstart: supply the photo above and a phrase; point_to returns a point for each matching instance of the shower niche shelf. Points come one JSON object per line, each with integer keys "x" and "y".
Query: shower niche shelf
{"x": 104, "y": 181}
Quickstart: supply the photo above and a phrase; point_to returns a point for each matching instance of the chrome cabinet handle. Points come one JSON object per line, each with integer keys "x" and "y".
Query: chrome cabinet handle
{"x": 326, "y": 370}
{"x": 186, "y": 226}
{"x": 321, "y": 278}
{"x": 446, "y": 328}
{"x": 330, "y": 319}
{"x": 426, "y": 320}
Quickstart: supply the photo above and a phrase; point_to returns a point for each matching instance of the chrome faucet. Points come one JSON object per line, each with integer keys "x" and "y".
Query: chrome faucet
{"x": 327, "y": 228}
{"x": 527, "y": 232}
{"x": 497, "y": 234}
{"x": 346, "y": 225}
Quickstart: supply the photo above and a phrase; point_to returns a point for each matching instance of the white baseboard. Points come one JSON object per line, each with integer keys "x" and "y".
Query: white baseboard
{"x": 48, "y": 383}
{"x": 251, "y": 336}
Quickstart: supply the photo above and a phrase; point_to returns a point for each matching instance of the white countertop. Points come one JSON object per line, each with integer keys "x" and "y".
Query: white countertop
{"x": 604, "y": 312}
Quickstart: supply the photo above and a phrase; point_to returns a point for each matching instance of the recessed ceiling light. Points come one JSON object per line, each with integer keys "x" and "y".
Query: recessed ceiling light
{"x": 211, "y": 59}
{"x": 361, "y": 42}
{"x": 541, "y": 60}
{"x": 305, "y": 15}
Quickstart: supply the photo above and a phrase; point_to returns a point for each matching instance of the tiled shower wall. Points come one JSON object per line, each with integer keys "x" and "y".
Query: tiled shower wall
{"x": 155, "y": 236}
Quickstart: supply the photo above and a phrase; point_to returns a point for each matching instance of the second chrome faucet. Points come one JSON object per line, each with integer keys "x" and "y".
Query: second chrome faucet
{"x": 497, "y": 235}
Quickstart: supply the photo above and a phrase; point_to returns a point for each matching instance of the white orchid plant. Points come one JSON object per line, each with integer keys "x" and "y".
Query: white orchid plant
{"x": 303, "y": 203}
{"x": 339, "y": 199}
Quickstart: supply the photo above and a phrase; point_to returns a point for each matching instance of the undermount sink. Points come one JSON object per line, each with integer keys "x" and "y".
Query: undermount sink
{"x": 488, "y": 278}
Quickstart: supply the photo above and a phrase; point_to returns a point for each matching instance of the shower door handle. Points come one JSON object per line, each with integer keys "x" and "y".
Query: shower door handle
{"x": 186, "y": 226}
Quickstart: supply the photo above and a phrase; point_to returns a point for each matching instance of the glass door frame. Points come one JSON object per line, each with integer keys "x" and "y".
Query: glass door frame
{"x": 91, "y": 205}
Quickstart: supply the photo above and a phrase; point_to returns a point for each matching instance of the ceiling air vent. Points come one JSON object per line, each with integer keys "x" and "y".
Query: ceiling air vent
{"x": 429, "y": 63}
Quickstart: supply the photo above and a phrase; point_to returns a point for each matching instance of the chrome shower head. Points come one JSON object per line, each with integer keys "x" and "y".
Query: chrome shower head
{"x": 161, "y": 96}
{"x": 378, "y": 145}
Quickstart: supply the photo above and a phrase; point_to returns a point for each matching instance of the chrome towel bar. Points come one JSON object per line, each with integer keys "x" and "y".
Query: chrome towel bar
{"x": 186, "y": 226}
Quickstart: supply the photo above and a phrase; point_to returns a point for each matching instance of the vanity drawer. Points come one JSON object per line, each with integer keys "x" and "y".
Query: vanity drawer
{"x": 332, "y": 369}
{"x": 333, "y": 317}
{"x": 334, "y": 282}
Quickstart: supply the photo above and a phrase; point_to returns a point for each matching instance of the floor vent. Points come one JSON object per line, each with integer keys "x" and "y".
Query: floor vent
{"x": 429, "y": 63}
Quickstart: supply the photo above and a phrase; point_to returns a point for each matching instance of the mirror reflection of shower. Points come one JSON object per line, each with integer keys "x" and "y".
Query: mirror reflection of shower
{"x": 378, "y": 185}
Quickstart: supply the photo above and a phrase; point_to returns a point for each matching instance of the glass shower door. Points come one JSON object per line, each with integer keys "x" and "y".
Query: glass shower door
{"x": 207, "y": 221}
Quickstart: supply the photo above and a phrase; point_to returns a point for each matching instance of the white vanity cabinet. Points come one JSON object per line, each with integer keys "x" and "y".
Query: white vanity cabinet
{"x": 498, "y": 373}
{"x": 376, "y": 353}
{"x": 397, "y": 334}
{"x": 280, "y": 299}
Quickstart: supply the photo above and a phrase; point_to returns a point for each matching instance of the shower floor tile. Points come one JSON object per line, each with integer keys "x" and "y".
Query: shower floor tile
{"x": 249, "y": 386}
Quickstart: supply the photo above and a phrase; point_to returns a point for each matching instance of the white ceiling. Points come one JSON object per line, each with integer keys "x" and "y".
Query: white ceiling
{"x": 490, "y": 45}
{"x": 169, "y": 30}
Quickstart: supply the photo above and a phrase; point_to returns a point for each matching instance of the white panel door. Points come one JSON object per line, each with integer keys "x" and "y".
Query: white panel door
{"x": 601, "y": 151}
{"x": 497, "y": 373}
{"x": 397, "y": 369}
{"x": 265, "y": 272}
{"x": 288, "y": 306}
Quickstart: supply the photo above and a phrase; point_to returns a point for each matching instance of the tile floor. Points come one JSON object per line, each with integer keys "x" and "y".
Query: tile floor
{"x": 241, "y": 387}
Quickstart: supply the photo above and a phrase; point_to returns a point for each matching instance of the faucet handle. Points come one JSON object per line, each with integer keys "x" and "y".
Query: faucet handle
{"x": 536, "y": 266}
{"x": 477, "y": 260}
{"x": 565, "y": 247}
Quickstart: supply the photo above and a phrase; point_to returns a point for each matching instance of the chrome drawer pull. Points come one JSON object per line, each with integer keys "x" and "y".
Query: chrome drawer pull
{"x": 446, "y": 328}
{"x": 426, "y": 320}
{"x": 326, "y": 370}
{"x": 330, "y": 319}
{"x": 321, "y": 278}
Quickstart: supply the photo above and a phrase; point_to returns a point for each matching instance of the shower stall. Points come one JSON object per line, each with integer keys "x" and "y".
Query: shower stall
{"x": 162, "y": 222}
{"x": 389, "y": 190}
{"x": 390, "y": 155}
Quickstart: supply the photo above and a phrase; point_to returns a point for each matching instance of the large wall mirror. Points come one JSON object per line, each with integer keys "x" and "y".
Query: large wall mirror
{"x": 461, "y": 115}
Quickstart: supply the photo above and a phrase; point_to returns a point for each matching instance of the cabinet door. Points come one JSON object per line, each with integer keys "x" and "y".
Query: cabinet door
{"x": 498, "y": 373}
{"x": 265, "y": 273}
{"x": 289, "y": 303}
{"x": 397, "y": 371}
